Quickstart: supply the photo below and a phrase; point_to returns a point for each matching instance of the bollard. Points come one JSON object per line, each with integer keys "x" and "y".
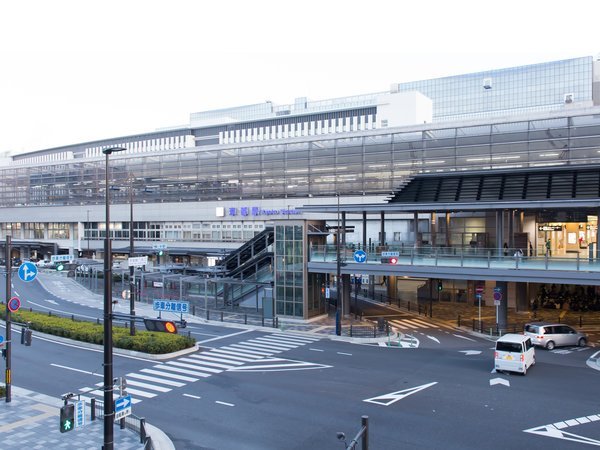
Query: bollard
{"x": 142, "y": 430}
{"x": 459, "y": 320}
{"x": 193, "y": 310}
{"x": 245, "y": 319}
{"x": 93, "y": 409}
{"x": 73, "y": 317}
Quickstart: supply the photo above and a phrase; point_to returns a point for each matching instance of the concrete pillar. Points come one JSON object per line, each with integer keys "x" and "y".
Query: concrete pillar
{"x": 511, "y": 228}
{"x": 364, "y": 231}
{"x": 499, "y": 231}
{"x": 343, "y": 231}
{"x": 346, "y": 292}
{"x": 382, "y": 228}
{"x": 521, "y": 300}
{"x": 447, "y": 229}
{"x": 392, "y": 290}
{"x": 416, "y": 225}
{"x": 433, "y": 227}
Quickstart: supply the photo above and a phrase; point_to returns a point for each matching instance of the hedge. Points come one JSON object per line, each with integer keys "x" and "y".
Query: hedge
{"x": 143, "y": 341}
{"x": 2, "y": 391}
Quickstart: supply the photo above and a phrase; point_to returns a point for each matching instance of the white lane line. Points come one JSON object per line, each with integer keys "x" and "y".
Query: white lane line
{"x": 194, "y": 367}
{"x": 415, "y": 323}
{"x": 316, "y": 350}
{"x": 224, "y": 337}
{"x": 192, "y": 396}
{"x": 434, "y": 339}
{"x": 169, "y": 375}
{"x": 186, "y": 371}
{"x": 342, "y": 353}
{"x": 215, "y": 359}
{"x": 224, "y": 403}
{"x": 76, "y": 370}
{"x": 464, "y": 337}
{"x": 68, "y": 313}
{"x": 154, "y": 379}
{"x": 138, "y": 393}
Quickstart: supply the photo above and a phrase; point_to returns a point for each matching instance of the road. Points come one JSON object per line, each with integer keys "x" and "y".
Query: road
{"x": 270, "y": 390}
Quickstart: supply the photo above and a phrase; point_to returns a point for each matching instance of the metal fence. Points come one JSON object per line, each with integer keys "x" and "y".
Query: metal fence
{"x": 131, "y": 422}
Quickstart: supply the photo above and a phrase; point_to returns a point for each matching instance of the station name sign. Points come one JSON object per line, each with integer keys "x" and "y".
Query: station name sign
{"x": 254, "y": 211}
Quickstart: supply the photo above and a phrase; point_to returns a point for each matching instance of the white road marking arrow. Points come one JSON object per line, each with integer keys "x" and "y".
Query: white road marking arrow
{"x": 494, "y": 381}
{"x": 433, "y": 339}
{"x": 470, "y": 352}
{"x": 463, "y": 337}
{"x": 52, "y": 301}
{"x": 552, "y": 431}
{"x": 393, "y": 397}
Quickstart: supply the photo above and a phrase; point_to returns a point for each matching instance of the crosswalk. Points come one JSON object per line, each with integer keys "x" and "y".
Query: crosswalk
{"x": 255, "y": 353}
{"x": 413, "y": 324}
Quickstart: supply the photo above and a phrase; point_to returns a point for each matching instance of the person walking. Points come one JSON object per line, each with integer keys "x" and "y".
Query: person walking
{"x": 530, "y": 249}
{"x": 548, "y": 247}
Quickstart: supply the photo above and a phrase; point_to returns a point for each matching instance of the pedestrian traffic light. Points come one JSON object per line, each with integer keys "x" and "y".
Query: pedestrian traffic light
{"x": 440, "y": 286}
{"x": 67, "y": 418}
{"x": 164, "y": 326}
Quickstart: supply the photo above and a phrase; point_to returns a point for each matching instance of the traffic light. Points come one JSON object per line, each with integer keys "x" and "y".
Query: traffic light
{"x": 67, "y": 418}
{"x": 59, "y": 266}
{"x": 393, "y": 260}
{"x": 164, "y": 326}
{"x": 440, "y": 286}
{"x": 159, "y": 253}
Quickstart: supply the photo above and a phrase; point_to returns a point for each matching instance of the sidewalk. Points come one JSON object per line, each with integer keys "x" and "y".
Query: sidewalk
{"x": 31, "y": 420}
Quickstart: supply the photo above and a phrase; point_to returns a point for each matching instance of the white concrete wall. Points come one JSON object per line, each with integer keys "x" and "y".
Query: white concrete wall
{"x": 403, "y": 108}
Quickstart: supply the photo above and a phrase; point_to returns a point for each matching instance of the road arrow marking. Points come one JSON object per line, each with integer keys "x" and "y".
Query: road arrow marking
{"x": 433, "y": 339}
{"x": 552, "y": 430}
{"x": 52, "y": 301}
{"x": 470, "y": 352}
{"x": 393, "y": 397}
{"x": 494, "y": 381}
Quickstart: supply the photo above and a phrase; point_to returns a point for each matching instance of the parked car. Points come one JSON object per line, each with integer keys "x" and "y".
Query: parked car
{"x": 514, "y": 353}
{"x": 550, "y": 335}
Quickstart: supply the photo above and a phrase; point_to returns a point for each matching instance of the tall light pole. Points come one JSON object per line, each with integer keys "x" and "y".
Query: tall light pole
{"x": 338, "y": 287}
{"x": 109, "y": 413}
{"x": 131, "y": 267}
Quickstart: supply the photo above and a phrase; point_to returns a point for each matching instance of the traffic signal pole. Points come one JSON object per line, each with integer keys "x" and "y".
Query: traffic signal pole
{"x": 7, "y": 373}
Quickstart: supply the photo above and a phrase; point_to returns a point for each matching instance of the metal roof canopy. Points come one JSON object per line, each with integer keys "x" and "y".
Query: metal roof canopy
{"x": 566, "y": 187}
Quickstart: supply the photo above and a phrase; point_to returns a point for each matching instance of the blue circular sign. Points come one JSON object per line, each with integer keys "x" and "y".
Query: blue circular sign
{"x": 360, "y": 256}
{"x": 28, "y": 271}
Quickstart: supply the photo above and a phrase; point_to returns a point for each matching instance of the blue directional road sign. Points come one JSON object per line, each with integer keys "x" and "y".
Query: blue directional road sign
{"x": 1, "y": 339}
{"x": 162, "y": 304}
{"x": 27, "y": 271}
{"x": 122, "y": 407}
{"x": 360, "y": 256}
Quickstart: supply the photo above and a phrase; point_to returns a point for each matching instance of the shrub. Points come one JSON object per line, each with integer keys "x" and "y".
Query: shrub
{"x": 143, "y": 341}
{"x": 2, "y": 392}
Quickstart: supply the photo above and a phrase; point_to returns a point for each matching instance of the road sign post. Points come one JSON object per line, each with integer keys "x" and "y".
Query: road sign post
{"x": 122, "y": 407}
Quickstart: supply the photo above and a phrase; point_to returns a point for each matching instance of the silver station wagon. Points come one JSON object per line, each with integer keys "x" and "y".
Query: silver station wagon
{"x": 550, "y": 335}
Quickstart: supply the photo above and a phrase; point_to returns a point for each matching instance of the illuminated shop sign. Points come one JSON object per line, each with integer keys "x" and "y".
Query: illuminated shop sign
{"x": 550, "y": 227}
{"x": 254, "y": 211}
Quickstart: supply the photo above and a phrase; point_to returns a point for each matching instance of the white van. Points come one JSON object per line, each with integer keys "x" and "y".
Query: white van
{"x": 514, "y": 353}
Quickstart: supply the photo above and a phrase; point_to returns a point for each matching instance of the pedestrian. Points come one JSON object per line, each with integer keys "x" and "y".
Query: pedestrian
{"x": 548, "y": 247}
{"x": 505, "y": 249}
{"x": 530, "y": 249}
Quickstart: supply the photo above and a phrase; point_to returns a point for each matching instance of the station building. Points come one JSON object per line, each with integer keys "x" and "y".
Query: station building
{"x": 501, "y": 160}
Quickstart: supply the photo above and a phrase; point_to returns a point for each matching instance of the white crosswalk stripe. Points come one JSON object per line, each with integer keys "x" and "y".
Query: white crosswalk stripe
{"x": 140, "y": 376}
{"x": 245, "y": 356}
{"x": 169, "y": 375}
{"x": 186, "y": 371}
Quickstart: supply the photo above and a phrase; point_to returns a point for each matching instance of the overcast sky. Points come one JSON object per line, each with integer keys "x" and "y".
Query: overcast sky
{"x": 72, "y": 71}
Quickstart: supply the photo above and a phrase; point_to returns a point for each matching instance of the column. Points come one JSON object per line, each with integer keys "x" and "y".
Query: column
{"x": 433, "y": 228}
{"x": 500, "y": 232}
{"x": 447, "y": 229}
{"x": 511, "y": 228}
{"x": 382, "y": 228}
{"x": 364, "y": 231}
{"x": 502, "y": 308}
{"x": 418, "y": 237}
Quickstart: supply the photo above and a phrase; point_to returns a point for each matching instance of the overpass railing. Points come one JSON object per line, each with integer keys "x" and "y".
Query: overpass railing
{"x": 480, "y": 258}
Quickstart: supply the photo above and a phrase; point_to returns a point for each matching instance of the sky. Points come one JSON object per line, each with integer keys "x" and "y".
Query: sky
{"x": 74, "y": 71}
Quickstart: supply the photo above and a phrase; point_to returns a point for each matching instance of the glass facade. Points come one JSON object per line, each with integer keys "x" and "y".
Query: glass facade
{"x": 373, "y": 163}
{"x": 289, "y": 270}
{"x": 536, "y": 87}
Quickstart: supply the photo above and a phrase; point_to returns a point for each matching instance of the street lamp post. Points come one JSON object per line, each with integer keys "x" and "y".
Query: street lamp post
{"x": 109, "y": 413}
{"x": 131, "y": 267}
{"x": 338, "y": 287}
